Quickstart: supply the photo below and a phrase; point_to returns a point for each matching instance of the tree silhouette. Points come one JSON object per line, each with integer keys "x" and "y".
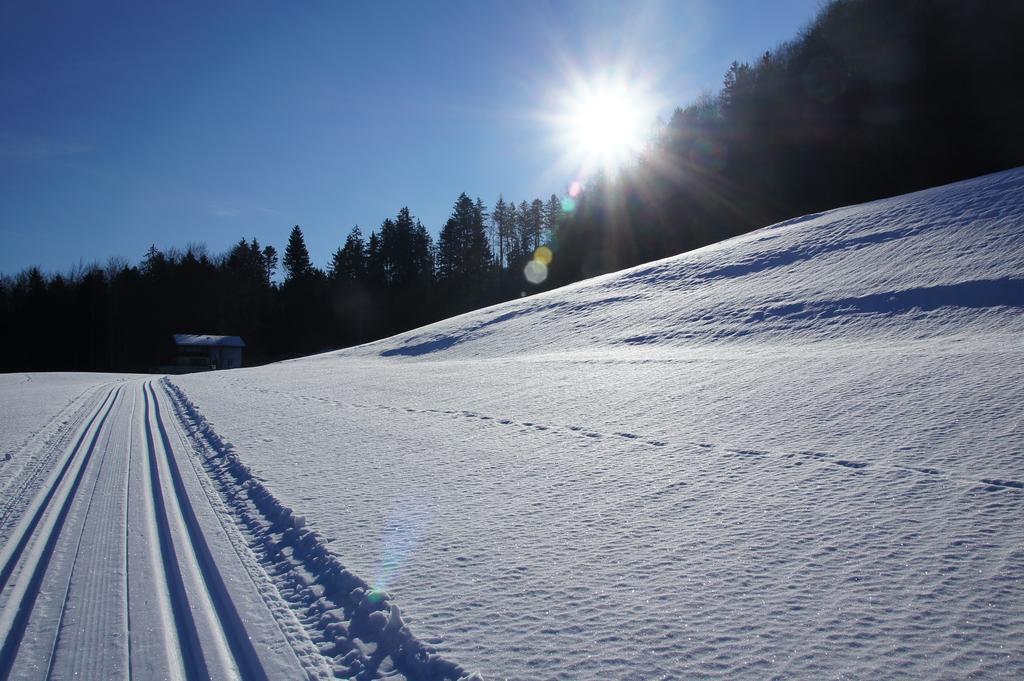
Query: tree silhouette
{"x": 552, "y": 218}
{"x": 501, "y": 220}
{"x": 349, "y": 262}
{"x": 297, "y": 264}
{"x": 269, "y": 262}
{"x": 464, "y": 256}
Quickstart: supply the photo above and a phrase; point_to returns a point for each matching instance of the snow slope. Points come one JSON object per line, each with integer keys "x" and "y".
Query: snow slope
{"x": 796, "y": 453}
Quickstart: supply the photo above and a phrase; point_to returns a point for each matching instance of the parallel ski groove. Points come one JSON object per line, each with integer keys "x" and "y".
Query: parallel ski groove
{"x": 88, "y": 643}
{"x": 17, "y": 547}
{"x": 115, "y": 558}
{"x": 14, "y": 631}
{"x": 74, "y": 562}
{"x": 188, "y": 636}
{"x": 126, "y": 537}
{"x": 154, "y": 648}
{"x": 56, "y": 442}
{"x": 231, "y": 623}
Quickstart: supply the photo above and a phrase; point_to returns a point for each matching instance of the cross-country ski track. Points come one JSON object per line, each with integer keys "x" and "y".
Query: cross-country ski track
{"x": 109, "y": 572}
{"x": 121, "y": 560}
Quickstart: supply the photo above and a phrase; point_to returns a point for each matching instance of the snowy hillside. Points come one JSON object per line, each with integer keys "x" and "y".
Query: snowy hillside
{"x": 798, "y": 452}
{"x": 795, "y": 454}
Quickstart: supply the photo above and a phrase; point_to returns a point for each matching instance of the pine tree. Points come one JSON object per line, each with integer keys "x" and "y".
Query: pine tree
{"x": 154, "y": 261}
{"x": 375, "y": 274}
{"x": 406, "y": 256}
{"x": 258, "y": 258}
{"x": 499, "y": 229}
{"x": 270, "y": 263}
{"x": 388, "y": 246}
{"x": 404, "y": 248}
{"x": 244, "y": 262}
{"x": 296, "y": 256}
{"x": 422, "y": 253}
{"x": 552, "y": 218}
{"x": 463, "y": 254}
{"x": 536, "y": 224}
{"x": 349, "y": 261}
{"x": 483, "y": 217}
{"x": 519, "y": 246}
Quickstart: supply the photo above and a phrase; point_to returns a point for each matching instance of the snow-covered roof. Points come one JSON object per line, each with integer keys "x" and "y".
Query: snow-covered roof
{"x": 204, "y": 340}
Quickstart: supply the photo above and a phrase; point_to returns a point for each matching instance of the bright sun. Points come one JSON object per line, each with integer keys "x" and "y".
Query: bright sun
{"x": 604, "y": 125}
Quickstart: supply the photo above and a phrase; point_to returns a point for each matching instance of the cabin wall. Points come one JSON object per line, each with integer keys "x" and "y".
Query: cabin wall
{"x": 201, "y": 357}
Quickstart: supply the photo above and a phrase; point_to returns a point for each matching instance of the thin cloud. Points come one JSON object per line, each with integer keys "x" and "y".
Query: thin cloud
{"x": 233, "y": 209}
{"x": 22, "y": 148}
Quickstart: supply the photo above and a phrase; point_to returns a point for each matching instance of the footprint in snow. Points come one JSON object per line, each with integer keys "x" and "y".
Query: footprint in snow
{"x": 995, "y": 484}
{"x": 850, "y": 464}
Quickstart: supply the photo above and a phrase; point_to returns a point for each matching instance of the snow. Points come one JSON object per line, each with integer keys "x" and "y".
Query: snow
{"x": 205, "y": 340}
{"x": 36, "y": 409}
{"x": 794, "y": 454}
{"x": 117, "y": 562}
{"x": 29, "y": 401}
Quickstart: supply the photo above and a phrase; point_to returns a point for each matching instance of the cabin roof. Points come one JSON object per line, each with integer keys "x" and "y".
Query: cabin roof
{"x": 207, "y": 341}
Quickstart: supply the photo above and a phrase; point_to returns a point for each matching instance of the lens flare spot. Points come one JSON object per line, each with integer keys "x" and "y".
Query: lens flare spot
{"x": 402, "y": 533}
{"x": 575, "y": 189}
{"x": 543, "y": 255}
{"x": 568, "y": 204}
{"x": 535, "y": 272}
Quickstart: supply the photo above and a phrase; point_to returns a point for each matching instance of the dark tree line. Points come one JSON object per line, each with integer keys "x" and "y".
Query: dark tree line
{"x": 122, "y": 317}
{"x": 873, "y": 98}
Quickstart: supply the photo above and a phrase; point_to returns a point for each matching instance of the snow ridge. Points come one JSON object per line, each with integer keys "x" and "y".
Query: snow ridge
{"x": 358, "y": 627}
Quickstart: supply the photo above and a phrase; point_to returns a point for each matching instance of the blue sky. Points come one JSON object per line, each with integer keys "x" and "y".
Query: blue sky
{"x": 129, "y": 124}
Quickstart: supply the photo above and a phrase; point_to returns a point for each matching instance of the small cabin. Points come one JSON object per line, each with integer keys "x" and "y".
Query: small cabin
{"x": 200, "y": 352}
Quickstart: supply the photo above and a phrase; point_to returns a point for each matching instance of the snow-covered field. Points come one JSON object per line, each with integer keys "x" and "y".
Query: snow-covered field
{"x": 795, "y": 454}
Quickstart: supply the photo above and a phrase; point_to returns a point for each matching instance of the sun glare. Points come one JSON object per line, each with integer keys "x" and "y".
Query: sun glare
{"x": 604, "y": 125}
